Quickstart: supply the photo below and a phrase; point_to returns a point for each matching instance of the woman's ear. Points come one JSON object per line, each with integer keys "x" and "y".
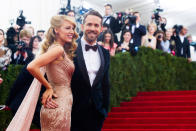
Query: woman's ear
{"x": 55, "y": 30}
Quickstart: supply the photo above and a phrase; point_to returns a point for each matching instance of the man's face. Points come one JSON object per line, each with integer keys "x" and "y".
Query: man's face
{"x": 184, "y": 31}
{"x": 108, "y": 10}
{"x": 71, "y": 14}
{"x": 26, "y": 40}
{"x": 137, "y": 17}
{"x": 41, "y": 35}
{"x": 91, "y": 28}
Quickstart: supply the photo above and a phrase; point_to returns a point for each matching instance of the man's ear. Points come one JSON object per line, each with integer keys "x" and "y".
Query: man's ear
{"x": 101, "y": 28}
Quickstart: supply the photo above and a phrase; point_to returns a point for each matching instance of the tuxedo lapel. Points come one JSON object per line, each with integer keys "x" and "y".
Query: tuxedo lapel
{"x": 81, "y": 64}
{"x": 100, "y": 71}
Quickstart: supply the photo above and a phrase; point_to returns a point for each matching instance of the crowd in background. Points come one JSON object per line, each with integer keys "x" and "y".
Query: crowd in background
{"x": 121, "y": 33}
{"x": 155, "y": 35}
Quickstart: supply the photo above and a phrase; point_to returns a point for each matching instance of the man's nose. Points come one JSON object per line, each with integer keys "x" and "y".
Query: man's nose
{"x": 92, "y": 27}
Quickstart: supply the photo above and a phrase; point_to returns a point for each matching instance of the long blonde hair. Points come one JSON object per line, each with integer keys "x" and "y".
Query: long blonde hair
{"x": 56, "y": 22}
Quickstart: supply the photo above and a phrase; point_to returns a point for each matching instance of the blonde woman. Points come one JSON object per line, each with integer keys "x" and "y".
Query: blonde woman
{"x": 149, "y": 40}
{"x": 57, "y": 53}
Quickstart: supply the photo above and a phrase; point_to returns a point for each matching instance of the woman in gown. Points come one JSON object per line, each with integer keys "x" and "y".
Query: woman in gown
{"x": 57, "y": 53}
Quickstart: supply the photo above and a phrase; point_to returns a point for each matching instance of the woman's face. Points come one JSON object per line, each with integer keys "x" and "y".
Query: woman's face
{"x": 168, "y": 34}
{"x": 127, "y": 37}
{"x": 1, "y": 36}
{"x": 36, "y": 43}
{"x": 160, "y": 36}
{"x": 151, "y": 29}
{"x": 107, "y": 37}
{"x": 66, "y": 32}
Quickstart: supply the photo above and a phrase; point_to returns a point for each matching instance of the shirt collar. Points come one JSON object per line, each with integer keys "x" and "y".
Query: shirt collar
{"x": 107, "y": 16}
{"x": 181, "y": 36}
{"x": 137, "y": 25}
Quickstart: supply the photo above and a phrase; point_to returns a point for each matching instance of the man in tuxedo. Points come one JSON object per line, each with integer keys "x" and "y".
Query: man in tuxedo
{"x": 182, "y": 44}
{"x": 137, "y": 30}
{"x": 90, "y": 81}
{"x": 111, "y": 21}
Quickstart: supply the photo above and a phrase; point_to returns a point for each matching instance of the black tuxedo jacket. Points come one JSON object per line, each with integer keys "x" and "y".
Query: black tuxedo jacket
{"x": 137, "y": 35}
{"x": 185, "y": 45}
{"x": 85, "y": 94}
{"x": 114, "y": 25}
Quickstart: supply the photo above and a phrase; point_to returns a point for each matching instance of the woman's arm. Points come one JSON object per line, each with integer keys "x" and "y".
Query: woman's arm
{"x": 143, "y": 40}
{"x": 154, "y": 43}
{"x": 43, "y": 60}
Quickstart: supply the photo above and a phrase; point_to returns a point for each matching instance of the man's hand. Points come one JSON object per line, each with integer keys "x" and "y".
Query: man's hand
{"x": 189, "y": 60}
{"x": 17, "y": 53}
{"x": 25, "y": 55}
{"x": 126, "y": 21}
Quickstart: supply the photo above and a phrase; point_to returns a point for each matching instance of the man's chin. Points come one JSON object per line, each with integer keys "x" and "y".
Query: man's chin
{"x": 91, "y": 39}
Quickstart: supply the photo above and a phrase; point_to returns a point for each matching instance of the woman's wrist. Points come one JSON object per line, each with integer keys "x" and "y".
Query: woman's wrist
{"x": 49, "y": 87}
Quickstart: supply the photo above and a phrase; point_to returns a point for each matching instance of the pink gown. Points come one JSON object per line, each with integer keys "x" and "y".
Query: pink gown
{"x": 59, "y": 74}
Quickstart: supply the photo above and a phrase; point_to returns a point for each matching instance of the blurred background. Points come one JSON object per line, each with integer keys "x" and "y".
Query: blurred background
{"x": 39, "y": 12}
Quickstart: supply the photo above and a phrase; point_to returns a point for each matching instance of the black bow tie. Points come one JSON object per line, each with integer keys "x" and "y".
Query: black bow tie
{"x": 94, "y": 48}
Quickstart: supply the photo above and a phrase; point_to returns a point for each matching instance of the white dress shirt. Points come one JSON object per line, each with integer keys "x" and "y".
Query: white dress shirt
{"x": 106, "y": 19}
{"x": 182, "y": 40}
{"x": 133, "y": 30}
{"x": 92, "y": 60}
{"x": 134, "y": 27}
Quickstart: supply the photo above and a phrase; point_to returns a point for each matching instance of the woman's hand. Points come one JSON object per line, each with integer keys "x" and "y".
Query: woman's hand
{"x": 1, "y": 80}
{"x": 47, "y": 96}
{"x": 100, "y": 43}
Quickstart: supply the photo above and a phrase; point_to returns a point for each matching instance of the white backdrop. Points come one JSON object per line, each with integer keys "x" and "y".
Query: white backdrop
{"x": 39, "y": 12}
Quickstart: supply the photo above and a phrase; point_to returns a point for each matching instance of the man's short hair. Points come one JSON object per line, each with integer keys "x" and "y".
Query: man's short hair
{"x": 25, "y": 33}
{"x": 93, "y": 12}
{"x": 41, "y": 31}
{"x": 71, "y": 11}
{"x": 136, "y": 12}
{"x": 108, "y": 5}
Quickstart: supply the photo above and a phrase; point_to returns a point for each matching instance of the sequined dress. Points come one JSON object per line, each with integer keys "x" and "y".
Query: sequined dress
{"x": 59, "y": 74}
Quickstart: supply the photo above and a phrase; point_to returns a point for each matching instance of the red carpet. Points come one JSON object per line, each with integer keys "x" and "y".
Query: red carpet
{"x": 155, "y": 111}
